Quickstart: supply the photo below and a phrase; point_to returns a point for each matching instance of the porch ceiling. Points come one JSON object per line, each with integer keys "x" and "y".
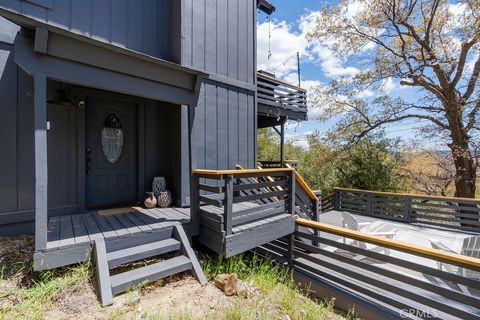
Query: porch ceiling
{"x": 70, "y": 57}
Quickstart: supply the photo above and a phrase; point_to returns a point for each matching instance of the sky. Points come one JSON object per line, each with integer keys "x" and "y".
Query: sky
{"x": 287, "y": 27}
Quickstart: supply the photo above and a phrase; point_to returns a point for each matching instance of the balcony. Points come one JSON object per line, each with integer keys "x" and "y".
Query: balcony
{"x": 279, "y": 100}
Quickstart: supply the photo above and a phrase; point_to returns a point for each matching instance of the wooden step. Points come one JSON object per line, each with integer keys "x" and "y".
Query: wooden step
{"x": 116, "y": 258}
{"x": 123, "y": 281}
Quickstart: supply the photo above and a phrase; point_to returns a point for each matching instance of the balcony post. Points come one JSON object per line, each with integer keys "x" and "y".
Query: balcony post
{"x": 228, "y": 204}
{"x": 40, "y": 159}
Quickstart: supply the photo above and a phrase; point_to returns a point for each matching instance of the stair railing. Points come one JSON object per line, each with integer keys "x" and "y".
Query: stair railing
{"x": 223, "y": 188}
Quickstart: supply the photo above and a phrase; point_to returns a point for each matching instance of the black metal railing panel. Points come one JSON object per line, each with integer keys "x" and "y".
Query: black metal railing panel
{"x": 457, "y": 213}
{"x": 277, "y": 93}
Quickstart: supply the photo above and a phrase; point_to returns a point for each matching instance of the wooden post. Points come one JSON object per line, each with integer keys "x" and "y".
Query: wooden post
{"x": 316, "y": 211}
{"x": 282, "y": 144}
{"x": 369, "y": 209}
{"x": 194, "y": 204}
{"x": 228, "y": 204}
{"x": 407, "y": 206}
{"x": 337, "y": 200}
{"x": 291, "y": 249}
{"x": 291, "y": 192}
{"x": 41, "y": 169}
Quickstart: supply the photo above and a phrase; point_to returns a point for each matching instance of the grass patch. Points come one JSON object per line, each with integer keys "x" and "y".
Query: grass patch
{"x": 32, "y": 302}
{"x": 280, "y": 297}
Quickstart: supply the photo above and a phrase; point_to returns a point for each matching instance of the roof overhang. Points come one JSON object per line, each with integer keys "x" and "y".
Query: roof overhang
{"x": 73, "y": 58}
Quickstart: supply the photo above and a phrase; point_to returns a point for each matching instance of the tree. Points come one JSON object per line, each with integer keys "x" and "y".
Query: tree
{"x": 430, "y": 172}
{"x": 371, "y": 164}
{"x": 431, "y": 45}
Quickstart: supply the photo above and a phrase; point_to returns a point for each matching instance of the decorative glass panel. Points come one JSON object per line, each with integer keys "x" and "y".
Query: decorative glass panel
{"x": 112, "y": 138}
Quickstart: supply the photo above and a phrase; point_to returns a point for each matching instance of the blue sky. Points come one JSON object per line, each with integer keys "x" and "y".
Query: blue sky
{"x": 288, "y": 25}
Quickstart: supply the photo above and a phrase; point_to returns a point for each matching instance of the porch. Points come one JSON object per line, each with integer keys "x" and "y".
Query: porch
{"x": 70, "y": 238}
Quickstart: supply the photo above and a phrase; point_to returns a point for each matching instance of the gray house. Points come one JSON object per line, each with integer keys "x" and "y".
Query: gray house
{"x": 98, "y": 97}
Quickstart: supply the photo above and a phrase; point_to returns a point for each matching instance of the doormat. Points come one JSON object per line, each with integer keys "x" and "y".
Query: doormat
{"x": 109, "y": 212}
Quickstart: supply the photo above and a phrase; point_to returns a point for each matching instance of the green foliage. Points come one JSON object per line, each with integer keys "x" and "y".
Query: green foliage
{"x": 269, "y": 147}
{"x": 372, "y": 163}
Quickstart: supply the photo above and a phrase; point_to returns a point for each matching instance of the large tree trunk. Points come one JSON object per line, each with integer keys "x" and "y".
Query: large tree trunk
{"x": 465, "y": 172}
{"x": 465, "y": 179}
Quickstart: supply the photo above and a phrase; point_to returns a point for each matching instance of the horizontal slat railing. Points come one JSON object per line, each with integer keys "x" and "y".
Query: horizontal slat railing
{"x": 223, "y": 188}
{"x": 276, "y": 93}
{"x": 404, "y": 276}
{"x": 457, "y": 213}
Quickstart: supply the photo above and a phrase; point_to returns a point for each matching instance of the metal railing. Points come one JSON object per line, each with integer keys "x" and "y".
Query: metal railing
{"x": 223, "y": 188}
{"x": 457, "y": 213}
{"x": 415, "y": 281}
{"x": 277, "y": 93}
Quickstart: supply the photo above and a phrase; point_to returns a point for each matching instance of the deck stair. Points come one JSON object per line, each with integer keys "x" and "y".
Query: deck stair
{"x": 111, "y": 253}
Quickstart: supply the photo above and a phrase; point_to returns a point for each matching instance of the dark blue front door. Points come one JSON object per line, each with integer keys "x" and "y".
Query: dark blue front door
{"x": 111, "y": 153}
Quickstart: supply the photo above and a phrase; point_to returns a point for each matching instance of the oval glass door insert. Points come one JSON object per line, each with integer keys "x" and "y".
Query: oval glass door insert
{"x": 112, "y": 138}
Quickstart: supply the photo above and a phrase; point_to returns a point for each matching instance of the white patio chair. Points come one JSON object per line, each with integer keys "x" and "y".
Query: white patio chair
{"x": 470, "y": 248}
{"x": 349, "y": 222}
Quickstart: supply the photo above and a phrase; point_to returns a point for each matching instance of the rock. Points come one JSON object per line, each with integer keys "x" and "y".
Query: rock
{"x": 132, "y": 298}
{"x": 247, "y": 289}
{"x": 227, "y": 283}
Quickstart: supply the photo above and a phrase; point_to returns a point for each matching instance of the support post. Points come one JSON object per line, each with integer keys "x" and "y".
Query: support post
{"x": 228, "y": 204}
{"x": 291, "y": 254}
{"x": 369, "y": 208}
{"x": 41, "y": 169}
{"x": 282, "y": 145}
{"x": 316, "y": 213}
{"x": 291, "y": 192}
{"x": 337, "y": 200}
{"x": 194, "y": 179}
{"x": 407, "y": 206}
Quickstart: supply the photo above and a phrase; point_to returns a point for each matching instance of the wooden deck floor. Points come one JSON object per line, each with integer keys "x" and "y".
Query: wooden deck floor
{"x": 64, "y": 231}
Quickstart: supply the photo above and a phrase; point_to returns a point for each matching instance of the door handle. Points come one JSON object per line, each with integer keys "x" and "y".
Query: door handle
{"x": 88, "y": 161}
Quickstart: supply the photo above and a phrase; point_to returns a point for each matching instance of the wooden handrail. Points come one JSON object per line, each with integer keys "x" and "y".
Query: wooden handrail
{"x": 237, "y": 172}
{"x": 454, "y": 258}
{"x": 409, "y": 195}
{"x": 303, "y": 184}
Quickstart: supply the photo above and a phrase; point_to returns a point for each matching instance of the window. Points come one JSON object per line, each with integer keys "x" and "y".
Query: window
{"x": 112, "y": 138}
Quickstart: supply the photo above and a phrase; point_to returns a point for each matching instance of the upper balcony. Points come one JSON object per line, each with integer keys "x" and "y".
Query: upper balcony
{"x": 278, "y": 99}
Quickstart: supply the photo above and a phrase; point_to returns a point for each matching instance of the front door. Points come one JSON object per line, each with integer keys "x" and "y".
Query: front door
{"x": 111, "y": 153}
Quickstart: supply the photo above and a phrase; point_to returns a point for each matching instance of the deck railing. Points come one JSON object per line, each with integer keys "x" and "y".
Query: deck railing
{"x": 223, "y": 188}
{"x": 307, "y": 201}
{"x": 459, "y": 213}
{"x": 415, "y": 281}
{"x": 278, "y": 164}
{"x": 277, "y": 93}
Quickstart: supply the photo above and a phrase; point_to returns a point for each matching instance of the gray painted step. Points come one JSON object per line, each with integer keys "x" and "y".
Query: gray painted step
{"x": 116, "y": 258}
{"x": 123, "y": 281}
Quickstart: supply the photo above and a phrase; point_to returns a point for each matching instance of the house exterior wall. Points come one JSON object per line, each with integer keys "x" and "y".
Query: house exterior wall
{"x": 217, "y": 36}
{"x": 141, "y": 25}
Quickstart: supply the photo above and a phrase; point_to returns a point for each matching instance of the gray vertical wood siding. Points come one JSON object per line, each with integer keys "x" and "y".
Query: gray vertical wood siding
{"x": 140, "y": 25}
{"x": 218, "y": 36}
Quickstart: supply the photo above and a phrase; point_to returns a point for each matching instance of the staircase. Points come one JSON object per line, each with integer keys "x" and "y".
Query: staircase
{"x": 112, "y": 253}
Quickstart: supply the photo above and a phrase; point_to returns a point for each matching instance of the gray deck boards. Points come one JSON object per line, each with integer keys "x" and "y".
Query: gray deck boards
{"x": 78, "y": 229}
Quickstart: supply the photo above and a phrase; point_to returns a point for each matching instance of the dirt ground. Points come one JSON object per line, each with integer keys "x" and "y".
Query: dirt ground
{"x": 183, "y": 297}
{"x": 70, "y": 293}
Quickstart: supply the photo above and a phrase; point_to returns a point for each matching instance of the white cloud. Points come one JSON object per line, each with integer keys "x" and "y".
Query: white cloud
{"x": 284, "y": 43}
{"x": 389, "y": 85}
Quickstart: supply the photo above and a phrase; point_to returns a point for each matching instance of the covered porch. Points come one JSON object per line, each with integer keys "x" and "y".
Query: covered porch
{"x": 93, "y": 76}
